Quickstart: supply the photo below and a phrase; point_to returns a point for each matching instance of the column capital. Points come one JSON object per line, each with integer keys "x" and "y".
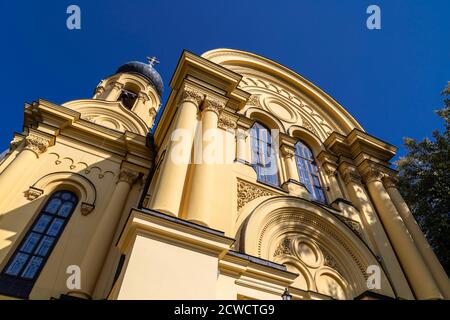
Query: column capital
{"x": 36, "y": 143}
{"x": 117, "y": 85}
{"x": 350, "y": 173}
{"x": 214, "y": 105}
{"x": 128, "y": 176}
{"x": 389, "y": 181}
{"x": 372, "y": 174}
{"x": 227, "y": 121}
{"x": 329, "y": 168}
{"x": 192, "y": 95}
{"x": 143, "y": 97}
{"x": 287, "y": 151}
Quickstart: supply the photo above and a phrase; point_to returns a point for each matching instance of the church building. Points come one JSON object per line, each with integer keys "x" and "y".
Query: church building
{"x": 251, "y": 183}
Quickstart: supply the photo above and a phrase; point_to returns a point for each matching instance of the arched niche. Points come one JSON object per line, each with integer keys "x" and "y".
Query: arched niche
{"x": 286, "y": 229}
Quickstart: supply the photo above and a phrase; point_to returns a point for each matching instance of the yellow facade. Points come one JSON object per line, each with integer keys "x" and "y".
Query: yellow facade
{"x": 184, "y": 213}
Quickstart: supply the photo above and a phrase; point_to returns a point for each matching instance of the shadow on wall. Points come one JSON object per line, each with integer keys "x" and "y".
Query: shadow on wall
{"x": 42, "y": 243}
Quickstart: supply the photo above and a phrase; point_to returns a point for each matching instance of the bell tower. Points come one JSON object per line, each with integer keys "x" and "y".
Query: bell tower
{"x": 137, "y": 86}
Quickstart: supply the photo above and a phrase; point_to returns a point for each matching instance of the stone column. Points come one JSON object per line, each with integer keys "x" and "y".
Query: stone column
{"x": 374, "y": 229}
{"x": 292, "y": 184}
{"x": 422, "y": 244}
{"x": 288, "y": 154}
{"x": 335, "y": 189}
{"x": 114, "y": 93}
{"x": 419, "y": 276}
{"x": 101, "y": 241}
{"x": 241, "y": 145}
{"x": 169, "y": 187}
{"x": 20, "y": 167}
{"x": 201, "y": 199}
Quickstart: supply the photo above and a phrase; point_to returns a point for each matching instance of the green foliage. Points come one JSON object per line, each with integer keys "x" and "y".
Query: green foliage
{"x": 424, "y": 181}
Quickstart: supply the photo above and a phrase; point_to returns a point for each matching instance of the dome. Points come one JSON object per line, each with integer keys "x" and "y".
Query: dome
{"x": 145, "y": 70}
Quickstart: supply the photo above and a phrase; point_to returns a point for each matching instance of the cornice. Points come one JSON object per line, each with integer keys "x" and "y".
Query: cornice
{"x": 178, "y": 231}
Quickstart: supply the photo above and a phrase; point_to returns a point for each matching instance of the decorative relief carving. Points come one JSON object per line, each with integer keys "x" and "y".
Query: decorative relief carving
{"x": 227, "y": 122}
{"x": 247, "y": 192}
{"x": 307, "y": 125}
{"x": 213, "y": 105}
{"x": 303, "y": 219}
{"x": 330, "y": 261}
{"x": 352, "y": 224}
{"x": 351, "y": 174}
{"x": 36, "y": 143}
{"x": 283, "y": 248}
{"x": 192, "y": 95}
{"x": 253, "y": 100}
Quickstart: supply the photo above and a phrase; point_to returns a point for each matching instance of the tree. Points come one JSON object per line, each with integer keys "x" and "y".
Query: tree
{"x": 424, "y": 181}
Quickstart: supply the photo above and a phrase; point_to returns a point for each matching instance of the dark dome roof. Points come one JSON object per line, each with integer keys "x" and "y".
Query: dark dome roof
{"x": 145, "y": 70}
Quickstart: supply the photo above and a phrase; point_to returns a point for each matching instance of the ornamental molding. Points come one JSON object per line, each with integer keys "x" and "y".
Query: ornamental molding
{"x": 86, "y": 208}
{"x": 247, "y": 192}
{"x": 306, "y": 220}
{"x": 33, "y": 193}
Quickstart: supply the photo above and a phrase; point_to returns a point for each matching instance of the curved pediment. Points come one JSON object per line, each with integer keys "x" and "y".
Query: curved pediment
{"x": 110, "y": 114}
{"x": 285, "y": 94}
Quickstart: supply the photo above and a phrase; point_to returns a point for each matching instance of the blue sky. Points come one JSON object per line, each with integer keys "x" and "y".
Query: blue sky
{"x": 390, "y": 79}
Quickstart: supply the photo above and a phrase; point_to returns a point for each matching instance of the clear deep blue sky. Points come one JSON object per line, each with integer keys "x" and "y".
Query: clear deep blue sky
{"x": 390, "y": 79}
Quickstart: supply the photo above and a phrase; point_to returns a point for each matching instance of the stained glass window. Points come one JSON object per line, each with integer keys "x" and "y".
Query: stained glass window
{"x": 308, "y": 172}
{"x": 263, "y": 155}
{"x": 28, "y": 260}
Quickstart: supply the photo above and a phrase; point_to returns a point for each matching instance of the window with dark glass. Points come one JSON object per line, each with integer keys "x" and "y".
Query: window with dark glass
{"x": 308, "y": 172}
{"x": 263, "y": 155}
{"x": 128, "y": 98}
{"x": 30, "y": 256}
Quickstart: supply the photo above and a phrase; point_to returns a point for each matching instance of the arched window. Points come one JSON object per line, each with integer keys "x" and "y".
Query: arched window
{"x": 30, "y": 256}
{"x": 128, "y": 98}
{"x": 307, "y": 170}
{"x": 263, "y": 155}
